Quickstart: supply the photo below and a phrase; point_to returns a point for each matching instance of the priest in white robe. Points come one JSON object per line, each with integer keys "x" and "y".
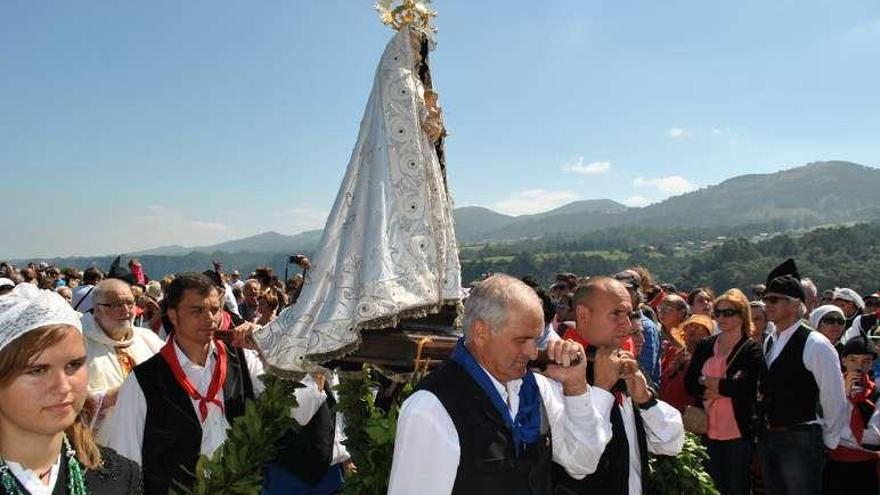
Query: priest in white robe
{"x": 114, "y": 347}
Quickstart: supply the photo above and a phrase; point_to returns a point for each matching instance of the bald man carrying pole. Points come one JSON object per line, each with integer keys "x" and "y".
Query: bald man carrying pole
{"x": 639, "y": 423}
{"x": 483, "y": 423}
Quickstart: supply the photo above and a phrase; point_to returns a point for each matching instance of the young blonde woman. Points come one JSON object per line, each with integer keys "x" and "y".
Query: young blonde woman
{"x": 45, "y": 447}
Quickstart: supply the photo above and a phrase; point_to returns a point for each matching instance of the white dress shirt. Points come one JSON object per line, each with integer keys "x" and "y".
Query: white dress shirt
{"x": 31, "y": 480}
{"x": 426, "y": 449}
{"x": 664, "y": 432}
{"x": 125, "y": 431}
{"x": 871, "y": 435}
{"x": 854, "y": 330}
{"x": 229, "y": 300}
{"x": 821, "y": 359}
{"x": 340, "y": 453}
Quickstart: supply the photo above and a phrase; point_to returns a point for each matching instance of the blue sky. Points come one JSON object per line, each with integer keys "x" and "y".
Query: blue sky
{"x": 129, "y": 125}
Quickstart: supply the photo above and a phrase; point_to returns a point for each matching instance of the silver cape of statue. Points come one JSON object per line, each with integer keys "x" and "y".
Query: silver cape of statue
{"x": 388, "y": 250}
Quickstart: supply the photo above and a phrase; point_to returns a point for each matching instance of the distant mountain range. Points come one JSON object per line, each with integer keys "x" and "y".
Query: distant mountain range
{"x": 267, "y": 242}
{"x": 815, "y": 194}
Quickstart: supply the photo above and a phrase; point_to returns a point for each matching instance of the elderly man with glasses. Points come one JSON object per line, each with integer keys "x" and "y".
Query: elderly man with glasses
{"x": 803, "y": 372}
{"x": 114, "y": 347}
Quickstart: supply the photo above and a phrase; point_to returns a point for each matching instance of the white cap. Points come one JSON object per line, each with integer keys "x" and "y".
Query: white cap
{"x": 5, "y": 282}
{"x": 27, "y": 308}
{"x": 849, "y": 295}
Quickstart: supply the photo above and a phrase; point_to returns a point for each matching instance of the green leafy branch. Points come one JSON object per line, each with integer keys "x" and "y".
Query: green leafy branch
{"x": 684, "y": 473}
{"x": 370, "y": 431}
{"x": 236, "y": 468}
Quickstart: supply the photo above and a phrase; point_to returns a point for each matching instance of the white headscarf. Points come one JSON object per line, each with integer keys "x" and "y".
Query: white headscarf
{"x": 26, "y": 308}
{"x": 850, "y": 295}
{"x": 823, "y": 311}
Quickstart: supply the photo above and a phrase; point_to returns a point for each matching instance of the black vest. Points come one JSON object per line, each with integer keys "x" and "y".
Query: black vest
{"x": 115, "y": 476}
{"x": 172, "y": 431}
{"x": 488, "y": 464}
{"x": 612, "y": 472}
{"x": 307, "y": 453}
{"x": 789, "y": 391}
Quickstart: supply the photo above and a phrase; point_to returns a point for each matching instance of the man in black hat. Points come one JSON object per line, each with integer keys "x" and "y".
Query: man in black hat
{"x": 803, "y": 377}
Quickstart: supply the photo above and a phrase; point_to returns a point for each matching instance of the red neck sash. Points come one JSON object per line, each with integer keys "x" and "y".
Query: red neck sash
{"x": 218, "y": 377}
{"x": 857, "y": 426}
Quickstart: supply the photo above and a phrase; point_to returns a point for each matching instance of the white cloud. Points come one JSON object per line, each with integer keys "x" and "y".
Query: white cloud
{"x": 304, "y": 218}
{"x": 209, "y": 226}
{"x": 595, "y": 168}
{"x": 158, "y": 209}
{"x": 534, "y": 201}
{"x": 672, "y": 184}
{"x": 636, "y": 201}
{"x": 680, "y": 133}
{"x": 866, "y": 32}
{"x": 167, "y": 225}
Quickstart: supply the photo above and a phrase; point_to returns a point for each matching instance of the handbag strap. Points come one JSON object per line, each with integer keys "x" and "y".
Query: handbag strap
{"x": 735, "y": 354}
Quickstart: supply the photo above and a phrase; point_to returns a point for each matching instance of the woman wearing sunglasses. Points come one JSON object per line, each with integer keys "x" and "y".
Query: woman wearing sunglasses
{"x": 724, "y": 371}
{"x": 830, "y": 321}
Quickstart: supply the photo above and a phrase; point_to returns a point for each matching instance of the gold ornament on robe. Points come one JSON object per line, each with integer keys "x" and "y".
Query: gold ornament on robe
{"x": 416, "y": 13}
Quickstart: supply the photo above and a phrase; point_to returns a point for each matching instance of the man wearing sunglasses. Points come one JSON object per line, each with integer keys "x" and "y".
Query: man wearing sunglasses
{"x": 803, "y": 372}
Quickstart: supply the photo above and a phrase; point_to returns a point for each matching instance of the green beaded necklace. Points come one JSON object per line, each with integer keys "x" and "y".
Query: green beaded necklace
{"x": 76, "y": 482}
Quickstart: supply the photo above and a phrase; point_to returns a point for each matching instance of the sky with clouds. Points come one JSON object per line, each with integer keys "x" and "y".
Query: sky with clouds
{"x": 125, "y": 126}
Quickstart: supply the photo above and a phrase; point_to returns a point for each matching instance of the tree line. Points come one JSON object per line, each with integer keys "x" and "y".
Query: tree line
{"x": 846, "y": 256}
{"x": 837, "y": 256}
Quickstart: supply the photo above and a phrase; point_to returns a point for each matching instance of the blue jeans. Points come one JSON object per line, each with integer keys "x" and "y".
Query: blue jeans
{"x": 792, "y": 461}
{"x": 730, "y": 463}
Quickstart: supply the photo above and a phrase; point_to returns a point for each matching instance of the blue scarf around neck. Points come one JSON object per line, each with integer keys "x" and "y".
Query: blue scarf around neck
{"x": 526, "y": 427}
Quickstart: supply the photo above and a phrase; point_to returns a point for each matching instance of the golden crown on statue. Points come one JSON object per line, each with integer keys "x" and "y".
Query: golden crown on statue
{"x": 416, "y": 13}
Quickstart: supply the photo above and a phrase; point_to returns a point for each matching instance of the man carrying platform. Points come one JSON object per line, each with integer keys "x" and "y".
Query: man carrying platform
{"x": 483, "y": 423}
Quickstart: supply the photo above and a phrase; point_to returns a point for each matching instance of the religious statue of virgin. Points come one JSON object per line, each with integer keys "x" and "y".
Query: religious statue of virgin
{"x": 388, "y": 249}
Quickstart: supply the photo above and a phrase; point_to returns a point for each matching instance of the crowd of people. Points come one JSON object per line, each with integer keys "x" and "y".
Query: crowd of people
{"x": 115, "y": 383}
